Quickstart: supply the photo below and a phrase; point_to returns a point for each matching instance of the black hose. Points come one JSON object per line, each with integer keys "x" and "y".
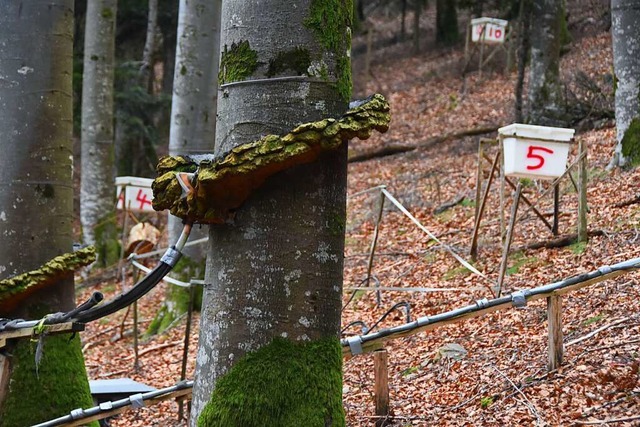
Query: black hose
{"x": 140, "y": 289}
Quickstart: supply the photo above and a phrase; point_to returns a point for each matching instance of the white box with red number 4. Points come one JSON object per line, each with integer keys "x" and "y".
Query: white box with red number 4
{"x": 137, "y": 194}
{"x": 537, "y": 152}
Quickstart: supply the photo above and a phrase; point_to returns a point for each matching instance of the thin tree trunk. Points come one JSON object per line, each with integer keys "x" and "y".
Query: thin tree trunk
{"x": 416, "y": 26}
{"x": 524, "y": 16}
{"x": 149, "y": 47}
{"x": 546, "y": 100}
{"x": 36, "y": 201}
{"x": 625, "y": 32}
{"x": 193, "y": 126}
{"x": 446, "y": 22}
{"x": 274, "y": 271}
{"x": 97, "y": 171}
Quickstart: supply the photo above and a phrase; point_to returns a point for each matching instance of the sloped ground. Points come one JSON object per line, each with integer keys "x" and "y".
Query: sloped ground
{"x": 502, "y": 379}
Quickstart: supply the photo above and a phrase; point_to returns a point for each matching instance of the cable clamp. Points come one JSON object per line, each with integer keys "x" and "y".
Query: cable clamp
{"x": 519, "y": 299}
{"x": 482, "y": 303}
{"x": 137, "y": 401}
{"x": 106, "y": 406}
{"x": 355, "y": 345}
{"x": 171, "y": 257}
{"x": 605, "y": 269}
{"x": 77, "y": 413}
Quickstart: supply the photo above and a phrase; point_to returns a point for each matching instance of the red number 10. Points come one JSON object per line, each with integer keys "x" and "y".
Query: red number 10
{"x": 538, "y": 157}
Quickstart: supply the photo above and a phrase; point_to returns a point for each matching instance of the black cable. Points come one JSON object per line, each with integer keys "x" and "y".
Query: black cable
{"x": 123, "y": 300}
{"x": 365, "y": 328}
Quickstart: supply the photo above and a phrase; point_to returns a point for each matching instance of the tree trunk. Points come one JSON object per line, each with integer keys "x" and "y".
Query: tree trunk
{"x": 193, "y": 128}
{"x": 625, "y": 32}
{"x": 524, "y": 16}
{"x": 97, "y": 171}
{"x": 269, "y": 352}
{"x": 36, "y": 200}
{"x": 546, "y": 100}
{"x": 416, "y": 26}
{"x": 446, "y": 22}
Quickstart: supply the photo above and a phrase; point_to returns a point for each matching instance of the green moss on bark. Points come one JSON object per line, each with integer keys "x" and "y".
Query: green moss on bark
{"x": 297, "y": 60}
{"x": 107, "y": 243}
{"x": 631, "y": 143}
{"x": 330, "y": 21}
{"x": 223, "y": 185}
{"x": 283, "y": 384}
{"x": 237, "y": 63}
{"x": 60, "y": 386}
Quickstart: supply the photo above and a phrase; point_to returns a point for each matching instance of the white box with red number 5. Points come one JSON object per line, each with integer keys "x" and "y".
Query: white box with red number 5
{"x": 537, "y": 152}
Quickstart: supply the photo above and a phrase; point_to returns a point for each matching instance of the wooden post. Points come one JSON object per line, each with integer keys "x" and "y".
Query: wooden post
{"x": 480, "y": 211}
{"x": 481, "y": 41}
{"x": 479, "y": 176}
{"x": 381, "y": 392}
{"x": 556, "y": 209}
{"x": 466, "y": 46}
{"x": 502, "y": 178}
{"x": 373, "y": 246}
{"x": 554, "y": 317}
{"x": 507, "y": 243}
{"x": 583, "y": 235}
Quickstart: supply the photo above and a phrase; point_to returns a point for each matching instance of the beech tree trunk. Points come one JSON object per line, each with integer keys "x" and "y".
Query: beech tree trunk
{"x": 36, "y": 202}
{"x": 269, "y": 351}
{"x": 625, "y": 32}
{"x": 193, "y": 127}
{"x": 97, "y": 165}
{"x": 546, "y": 99}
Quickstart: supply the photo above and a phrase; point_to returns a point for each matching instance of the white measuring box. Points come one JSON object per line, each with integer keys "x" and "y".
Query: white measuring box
{"x": 137, "y": 194}
{"x": 537, "y": 152}
{"x": 488, "y": 30}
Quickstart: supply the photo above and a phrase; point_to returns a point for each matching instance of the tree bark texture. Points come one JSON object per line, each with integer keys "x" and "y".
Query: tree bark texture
{"x": 446, "y": 22}
{"x": 36, "y": 199}
{"x": 625, "y": 32}
{"x": 97, "y": 165}
{"x": 193, "y": 120}
{"x": 274, "y": 272}
{"x": 546, "y": 100}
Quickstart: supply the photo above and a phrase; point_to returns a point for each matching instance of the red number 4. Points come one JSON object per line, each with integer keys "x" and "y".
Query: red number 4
{"x": 538, "y": 157}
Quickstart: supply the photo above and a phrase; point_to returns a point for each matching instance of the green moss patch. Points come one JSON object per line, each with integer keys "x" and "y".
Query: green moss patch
{"x": 297, "y": 60}
{"x": 283, "y": 384}
{"x": 223, "y": 185}
{"x": 631, "y": 142}
{"x": 16, "y": 289}
{"x": 60, "y": 386}
{"x": 237, "y": 63}
{"x": 330, "y": 21}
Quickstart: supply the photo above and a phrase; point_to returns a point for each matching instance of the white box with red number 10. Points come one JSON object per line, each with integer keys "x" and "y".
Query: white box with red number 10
{"x": 137, "y": 194}
{"x": 537, "y": 152}
{"x": 494, "y": 30}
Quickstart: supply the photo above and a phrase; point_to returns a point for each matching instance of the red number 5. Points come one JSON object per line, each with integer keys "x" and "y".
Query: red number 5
{"x": 538, "y": 157}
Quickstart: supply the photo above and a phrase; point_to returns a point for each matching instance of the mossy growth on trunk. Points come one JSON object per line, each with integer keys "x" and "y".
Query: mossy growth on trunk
{"x": 631, "y": 143}
{"x": 59, "y": 385}
{"x": 222, "y": 185}
{"x": 107, "y": 243}
{"x": 16, "y": 289}
{"x": 176, "y": 301}
{"x": 285, "y": 384}
{"x": 237, "y": 63}
{"x": 331, "y": 22}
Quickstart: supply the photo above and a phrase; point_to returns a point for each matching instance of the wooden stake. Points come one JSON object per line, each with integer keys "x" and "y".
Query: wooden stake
{"x": 583, "y": 235}
{"x": 556, "y": 209}
{"x": 381, "y": 392}
{"x": 373, "y": 246}
{"x": 554, "y": 317}
{"x": 480, "y": 211}
{"x": 502, "y": 178}
{"x": 507, "y": 243}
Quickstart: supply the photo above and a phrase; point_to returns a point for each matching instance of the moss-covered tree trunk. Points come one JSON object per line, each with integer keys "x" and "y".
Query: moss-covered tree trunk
{"x": 546, "y": 98}
{"x": 269, "y": 352}
{"x": 97, "y": 172}
{"x": 193, "y": 128}
{"x": 625, "y": 32}
{"x": 36, "y": 201}
{"x": 446, "y": 22}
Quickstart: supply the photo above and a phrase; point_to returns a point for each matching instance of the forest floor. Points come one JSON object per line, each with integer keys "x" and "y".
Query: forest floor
{"x": 498, "y": 376}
